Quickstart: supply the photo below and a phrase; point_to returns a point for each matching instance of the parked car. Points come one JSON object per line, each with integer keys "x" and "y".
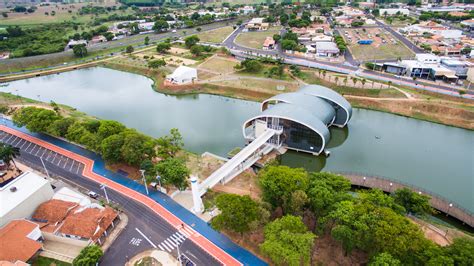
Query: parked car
{"x": 93, "y": 195}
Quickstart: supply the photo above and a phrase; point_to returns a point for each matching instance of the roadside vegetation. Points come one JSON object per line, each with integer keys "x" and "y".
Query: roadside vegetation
{"x": 299, "y": 213}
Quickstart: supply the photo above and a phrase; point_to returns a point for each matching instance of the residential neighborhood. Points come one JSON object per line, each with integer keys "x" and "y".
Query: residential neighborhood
{"x": 146, "y": 132}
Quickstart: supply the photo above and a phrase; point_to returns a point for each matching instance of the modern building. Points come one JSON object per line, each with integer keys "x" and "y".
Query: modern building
{"x": 301, "y": 118}
{"x": 22, "y": 195}
{"x": 394, "y": 11}
{"x": 428, "y": 58}
{"x": 20, "y": 241}
{"x": 460, "y": 68}
{"x": 182, "y": 75}
{"x": 327, "y": 49}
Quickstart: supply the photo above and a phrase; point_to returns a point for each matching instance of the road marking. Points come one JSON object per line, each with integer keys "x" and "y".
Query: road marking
{"x": 168, "y": 240}
{"x": 28, "y": 146}
{"x": 159, "y": 245}
{"x": 50, "y": 152}
{"x": 21, "y": 147}
{"x": 135, "y": 241}
{"x": 8, "y": 138}
{"x": 70, "y": 168}
{"x": 146, "y": 238}
{"x": 67, "y": 160}
{"x": 167, "y": 248}
{"x": 14, "y": 141}
{"x": 45, "y": 151}
{"x": 32, "y": 149}
{"x": 36, "y": 154}
{"x": 180, "y": 236}
{"x": 77, "y": 171}
{"x": 165, "y": 244}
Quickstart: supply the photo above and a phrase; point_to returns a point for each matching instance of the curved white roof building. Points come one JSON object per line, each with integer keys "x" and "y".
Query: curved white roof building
{"x": 303, "y": 117}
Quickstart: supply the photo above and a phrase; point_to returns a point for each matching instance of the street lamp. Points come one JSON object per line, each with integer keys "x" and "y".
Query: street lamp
{"x": 44, "y": 166}
{"x": 103, "y": 187}
{"x": 449, "y": 207}
{"x": 391, "y": 184}
{"x": 144, "y": 180}
{"x": 363, "y": 183}
{"x": 158, "y": 177}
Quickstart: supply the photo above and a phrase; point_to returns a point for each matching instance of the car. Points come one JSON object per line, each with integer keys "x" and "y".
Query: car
{"x": 93, "y": 195}
{"x": 173, "y": 31}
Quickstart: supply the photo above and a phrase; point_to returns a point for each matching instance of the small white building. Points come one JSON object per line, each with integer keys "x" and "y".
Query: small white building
{"x": 394, "y": 11}
{"x": 182, "y": 75}
{"x": 428, "y": 58}
{"x": 73, "y": 43}
{"x": 328, "y": 49}
{"x": 20, "y": 197}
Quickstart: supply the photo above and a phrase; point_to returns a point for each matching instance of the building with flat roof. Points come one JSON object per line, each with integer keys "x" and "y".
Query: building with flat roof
{"x": 20, "y": 241}
{"x": 394, "y": 11}
{"x": 459, "y": 67}
{"x": 302, "y": 118}
{"x": 22, "y": 195}
{"x": 327, "y": 49}
{"x": 256, "y": 24}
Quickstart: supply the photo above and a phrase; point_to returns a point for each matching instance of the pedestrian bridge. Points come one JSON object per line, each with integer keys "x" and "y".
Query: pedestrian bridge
{"x": 249, "y": 155}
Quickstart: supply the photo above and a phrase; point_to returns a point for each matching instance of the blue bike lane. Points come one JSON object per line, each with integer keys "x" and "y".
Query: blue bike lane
{"x": 220, "y": 240}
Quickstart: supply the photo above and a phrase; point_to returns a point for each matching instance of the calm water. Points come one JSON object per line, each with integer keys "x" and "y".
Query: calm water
{"x": 435, "y": 157}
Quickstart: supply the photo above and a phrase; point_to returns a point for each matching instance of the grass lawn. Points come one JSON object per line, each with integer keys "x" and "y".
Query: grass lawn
{"x": 255, "y": 39}
{"x": 384, "y": 51}
{"x": 219, "y": 64}
{"x": 43, "y": 261}
{"x": 261, "y": 85}
{"x": 215, "y": 36}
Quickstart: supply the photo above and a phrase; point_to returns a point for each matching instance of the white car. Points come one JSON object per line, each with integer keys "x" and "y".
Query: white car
{"x": 93, "y": 195}
{"x": 173, "y": 31}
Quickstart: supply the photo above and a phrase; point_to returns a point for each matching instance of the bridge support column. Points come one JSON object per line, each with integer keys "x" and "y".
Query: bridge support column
{"x": 197, "y": 201}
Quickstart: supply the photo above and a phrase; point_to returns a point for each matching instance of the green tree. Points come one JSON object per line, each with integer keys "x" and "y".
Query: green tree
{"x": 461, "y": 251}
{"x": 237, "y": 213}
{"x": 88, "y": 256}
{"x": 413, "y": 202}
{"x": 111, "y": 148}
{"x": 163, "y": 47}
{"x": 76, "y": 131}
{"x": 289, "y": 45}
{"x": 35, "y": 119}
{"x": 384, "y": 259}
{"x": 136, "y": 147}
{"x": 108, "y": 128}
{"x": 379, "y": 198}
{"x": 160, "y": 26}
{"x": 129, "y": 49}
{"x": 279, "y": 182}
{"x": 191, "y": 41}
{"x": 60, "y": 127}
{"x": 173, "y": 171}
{"x": 197, "y": 50}
{"x": 276, "y": 37}
{"x": 147, "y": 40}
{"x": 157, "y": 63}
{"x": 171, "y": 144}
{"x": 8, "y": 153}
{"x": 251, "y": 65}
{"x": 325, "y": 190}
{"x": 288, "y": 241}
{"x": 79, "y": 50}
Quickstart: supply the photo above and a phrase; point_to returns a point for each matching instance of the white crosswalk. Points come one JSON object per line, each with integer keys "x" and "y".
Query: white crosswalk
{"x": 175, "y": 239}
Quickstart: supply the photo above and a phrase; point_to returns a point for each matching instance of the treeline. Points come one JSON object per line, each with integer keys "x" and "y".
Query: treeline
{"x": 36, "y": 40}
{"x": 445, "y": 15}
{"x": 297, "y": 205}
{"x": 112, "y": 140}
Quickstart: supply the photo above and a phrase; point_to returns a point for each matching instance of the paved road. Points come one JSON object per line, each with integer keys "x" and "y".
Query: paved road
{"x": 135, "y": 40}
{"x": 401, "y": 38}
{"x": 145, "y": 229}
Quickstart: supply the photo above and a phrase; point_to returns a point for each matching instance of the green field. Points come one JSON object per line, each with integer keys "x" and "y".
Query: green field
{"x": 384, "y": 51}
{"x": 216, "y": 36}
{"x": 255, "y": 39}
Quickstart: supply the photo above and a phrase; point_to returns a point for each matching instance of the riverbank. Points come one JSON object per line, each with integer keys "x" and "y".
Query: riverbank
{"x": 446, "y": 110}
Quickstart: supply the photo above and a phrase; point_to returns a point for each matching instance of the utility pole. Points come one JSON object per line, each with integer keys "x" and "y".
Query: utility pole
{"x": 44, "y": 166}
{"x": 144, "y": 180}
{"x": 103, "y": 187}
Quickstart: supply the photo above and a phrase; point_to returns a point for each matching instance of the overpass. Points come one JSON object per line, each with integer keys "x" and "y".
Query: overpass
{"x": 249, "y": 155}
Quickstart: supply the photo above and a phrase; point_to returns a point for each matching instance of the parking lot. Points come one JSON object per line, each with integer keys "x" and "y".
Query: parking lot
{"x": 47, "y": 155}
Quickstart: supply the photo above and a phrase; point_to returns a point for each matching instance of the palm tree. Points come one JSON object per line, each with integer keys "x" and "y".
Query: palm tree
{"x": 8, "y": 153}
{"x": 389, "y": 84}
{"x": 363, "y": 82}
{"x": 336, "y": 79}
{"x": 345, "y": 81}
{"x": 354, "y": 81}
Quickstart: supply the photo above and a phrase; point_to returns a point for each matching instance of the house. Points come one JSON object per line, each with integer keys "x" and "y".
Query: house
{"x": 21, "y": 241}
{"x": 4, "y": 55}
{"x": 460, "y": 68}
{"x": 98, "y": 39}
{"x": 427, "y": 58}
{"x": 21, "y": 195}
{"x": 182, "y": 75}
{"x": 415, "y": 68}
{"x": 256, "y": 24}
{"x": 394, "y": 11}
{"x": 90, "y": 223}
{"x": 269, "y": 43}
{"x": 393, "y": 68}
{"x": 73, "y": 43}
{"x": 247, "y": 10}
{"x": 146, "y": 26}
{"x": 440, "y": 72}
{"x": 327, "y": 49}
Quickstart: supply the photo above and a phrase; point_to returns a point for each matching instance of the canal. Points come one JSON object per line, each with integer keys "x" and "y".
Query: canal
{"x": 437, "y": 158}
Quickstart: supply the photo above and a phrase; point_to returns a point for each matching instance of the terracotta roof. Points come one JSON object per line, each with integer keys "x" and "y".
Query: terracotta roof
{"x": 53, "y": 211}
{"x": 16, "y": 263}
{"x": 89, "y": 223}
{"x": 458, "y": 14}
{"x": 15, "y": 244}
{"x": 268, "y": 41}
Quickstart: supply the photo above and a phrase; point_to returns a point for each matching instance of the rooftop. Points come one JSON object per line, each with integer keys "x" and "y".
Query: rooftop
{"x": 19, "y": 189}
{"x": 16, "y": 243}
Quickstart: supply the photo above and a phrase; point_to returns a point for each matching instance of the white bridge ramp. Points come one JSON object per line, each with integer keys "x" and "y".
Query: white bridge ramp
{"x": 241, "y": 161}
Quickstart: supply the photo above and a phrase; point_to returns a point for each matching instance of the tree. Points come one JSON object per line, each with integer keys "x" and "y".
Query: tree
{"x": 384, "y": 259}
{"x": 191, "y": 41}
{"x": 129, "y": 49}
{"x": 35, "y": 119}
{"x": 198, "y": 29}
{"x": 276, "y": 37}
{"x": 163, "y": 47}
{"x": 147, "y": 40}
{"x": 79, "y": 50}
{"x": 279, "y": 182}
{"x": 289, "y": 45}
{"x": 111, "y": 147}
{"x": 108, "y": 128}
{"x": 157, "y": 63}
{"x": 197, "y": 50}
{"x": 136, "y": 147}
{"x": 237, "y": 213}
{"x": 461, "y": 251}
{"x": 160, "y": 26}
{"x": 288, "y": 241}
{"x": 413, "y": 202}
{"x": 380, "y": 199}
{"x": 325, "y": 190}
{"x": 89, "y": 255}
{"x": 60, "y": 127}
{"x": 173, "y": 171}
{"x": 170, "y": 144}
{"x": 251, "y": 65}
{"x": 8, "y": 153}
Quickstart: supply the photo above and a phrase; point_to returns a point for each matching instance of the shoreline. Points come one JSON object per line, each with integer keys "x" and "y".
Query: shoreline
{"x": 246, "y": 95}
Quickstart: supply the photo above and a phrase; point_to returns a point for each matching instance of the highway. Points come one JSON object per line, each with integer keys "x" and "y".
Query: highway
{"x": 145, "y": 229}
